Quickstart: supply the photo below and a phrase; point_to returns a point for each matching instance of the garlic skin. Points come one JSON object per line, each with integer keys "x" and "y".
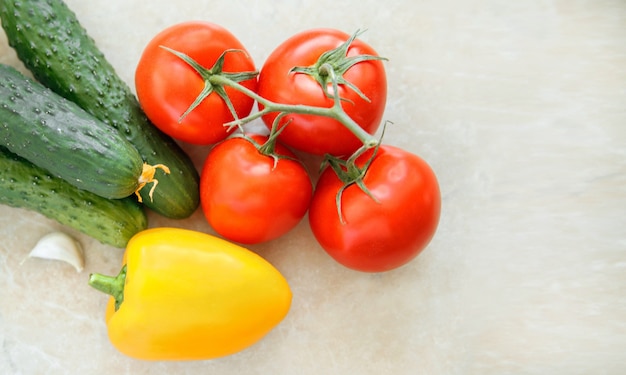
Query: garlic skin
{"x": 59, "y": 246}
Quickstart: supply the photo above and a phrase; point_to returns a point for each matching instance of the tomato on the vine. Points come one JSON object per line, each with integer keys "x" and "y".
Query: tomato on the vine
{"x": 168, "y": 86}
{"x": 250, "y": 197}
{"x": 362, "y": 87}
{"x": 385, "y": 228}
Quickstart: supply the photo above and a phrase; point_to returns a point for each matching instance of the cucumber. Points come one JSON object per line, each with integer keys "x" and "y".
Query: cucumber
{"x": 57, "y": 135}
{"x": 110, "y": 221}
{"x": 56, "y": 48}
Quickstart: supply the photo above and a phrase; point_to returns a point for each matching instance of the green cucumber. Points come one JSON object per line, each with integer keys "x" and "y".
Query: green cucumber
{"x": 57, "y": 135}
{"x": 110, "y": 221}
{"x": 56, "y": 48}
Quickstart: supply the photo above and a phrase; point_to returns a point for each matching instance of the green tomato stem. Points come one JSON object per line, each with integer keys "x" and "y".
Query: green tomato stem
{"x": 215, "y": 80}
{"x": 335, "y": 112}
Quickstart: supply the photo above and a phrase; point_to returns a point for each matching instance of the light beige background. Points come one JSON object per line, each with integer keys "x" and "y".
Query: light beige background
{"x": 519, "y": 106}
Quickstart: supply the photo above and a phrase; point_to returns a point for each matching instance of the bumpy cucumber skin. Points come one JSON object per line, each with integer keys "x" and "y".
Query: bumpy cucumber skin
{"x": 59, "y": 136}
{"x": 110, "y": 221}
{"x": 55, "y": 47}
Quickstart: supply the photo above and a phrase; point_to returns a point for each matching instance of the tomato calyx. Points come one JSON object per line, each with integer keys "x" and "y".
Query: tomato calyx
{"x": 349, "y": 173}
{"x": 268, "y": 148}
{"x": 333, "y": 64}
{"x": 210, "y": 86}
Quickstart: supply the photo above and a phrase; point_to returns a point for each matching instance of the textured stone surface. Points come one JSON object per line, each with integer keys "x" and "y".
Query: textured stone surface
{"x": 520, "y": 109}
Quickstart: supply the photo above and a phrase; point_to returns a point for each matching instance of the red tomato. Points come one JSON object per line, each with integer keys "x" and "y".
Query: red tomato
{"x": 316, "y": 134}
{"x": 167, "y": 85}
{"x": 247, "y": 198}
{"x": 378, "y": 236}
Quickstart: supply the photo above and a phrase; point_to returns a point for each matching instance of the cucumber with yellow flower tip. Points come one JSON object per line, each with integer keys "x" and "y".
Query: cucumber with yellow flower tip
{"x": 56, "y": 48}
{"x": 58, "y": 136}
{"x": 110, "y": 221}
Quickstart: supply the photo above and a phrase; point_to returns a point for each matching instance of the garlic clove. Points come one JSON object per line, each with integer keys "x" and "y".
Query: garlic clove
{"x": 59, "y": 246}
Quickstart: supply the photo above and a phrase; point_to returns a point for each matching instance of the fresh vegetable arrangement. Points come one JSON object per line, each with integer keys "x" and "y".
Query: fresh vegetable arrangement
{"x": 183, "y": 294}
{"x": 375, "y": 206}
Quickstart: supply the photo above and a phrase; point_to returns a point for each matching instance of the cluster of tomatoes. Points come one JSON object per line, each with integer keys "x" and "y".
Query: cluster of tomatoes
{"x": 374, "y": 206}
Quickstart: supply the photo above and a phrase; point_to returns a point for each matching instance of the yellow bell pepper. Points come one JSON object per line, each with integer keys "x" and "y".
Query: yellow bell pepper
{"x": 186, "y": 295}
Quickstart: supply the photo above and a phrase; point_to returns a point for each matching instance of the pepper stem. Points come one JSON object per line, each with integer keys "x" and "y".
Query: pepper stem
{"x": 111, "y": 285}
